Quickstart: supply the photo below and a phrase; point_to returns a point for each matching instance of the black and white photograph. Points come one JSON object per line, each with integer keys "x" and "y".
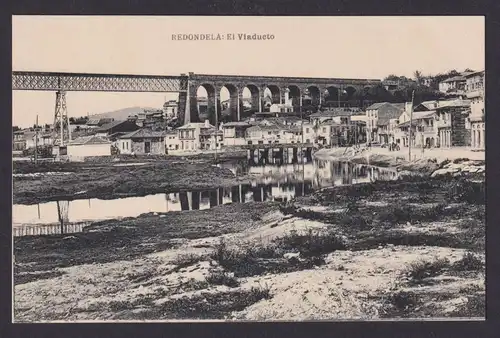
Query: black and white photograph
{"x": 248, "y": 168}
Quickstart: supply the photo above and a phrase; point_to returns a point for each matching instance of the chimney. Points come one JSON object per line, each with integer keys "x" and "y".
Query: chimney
{"x": 207, "y": 124}
{"x": 407, "y": 107}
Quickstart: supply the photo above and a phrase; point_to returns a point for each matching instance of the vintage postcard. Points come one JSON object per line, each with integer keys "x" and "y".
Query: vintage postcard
{"x": 248, "y": 168}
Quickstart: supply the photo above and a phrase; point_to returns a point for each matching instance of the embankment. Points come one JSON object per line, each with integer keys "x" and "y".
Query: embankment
{"x": 114, "y": 180}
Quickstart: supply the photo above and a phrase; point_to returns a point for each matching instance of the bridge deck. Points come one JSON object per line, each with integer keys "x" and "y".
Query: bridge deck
{"x": 276, "y": 146}
{"x": 53, "y": 81}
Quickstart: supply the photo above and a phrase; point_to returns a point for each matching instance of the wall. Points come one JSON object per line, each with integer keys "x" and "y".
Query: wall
{"x": 125, "y": 147}
{"x": 83, "y": 150}
{"x": 459, "y": 134}
{"x": 157, "y": 146}
{"x": 172, "y": 142}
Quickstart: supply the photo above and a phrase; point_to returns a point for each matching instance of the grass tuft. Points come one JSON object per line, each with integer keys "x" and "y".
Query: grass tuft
{"x": 222, "y": 278}
{"x": 420, "y": 270}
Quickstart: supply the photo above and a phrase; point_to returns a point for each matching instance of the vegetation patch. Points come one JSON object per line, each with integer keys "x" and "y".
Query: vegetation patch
{"x": 212, "y": 305}
{"x": 420, "y": 270}
{"x": 309, "y": 250}
{"x": 222, "y": 278}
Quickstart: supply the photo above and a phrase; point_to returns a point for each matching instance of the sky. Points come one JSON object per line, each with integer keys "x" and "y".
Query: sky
{"x": 344, "y": 47}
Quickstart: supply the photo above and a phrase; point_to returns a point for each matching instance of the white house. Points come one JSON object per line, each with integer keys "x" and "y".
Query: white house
{"x": 172, "y": 143}
{"x": 234, "y": 133}
{"x": 86, "y": 146}
{"x": 189, "y": 135}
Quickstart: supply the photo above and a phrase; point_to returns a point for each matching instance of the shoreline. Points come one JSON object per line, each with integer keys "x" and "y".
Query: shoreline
{"x": 177, "y": 267}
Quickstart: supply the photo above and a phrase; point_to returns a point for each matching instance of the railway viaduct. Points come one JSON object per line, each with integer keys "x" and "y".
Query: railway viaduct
{"x": 300, "y": 90}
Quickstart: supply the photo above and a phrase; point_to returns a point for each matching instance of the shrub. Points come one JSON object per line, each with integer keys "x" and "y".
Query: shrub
{"x": 222, "y": 278}
{"x": 312, "y": 244}
{"x": 469, "y": 262}
{"x": 420, "y": 270}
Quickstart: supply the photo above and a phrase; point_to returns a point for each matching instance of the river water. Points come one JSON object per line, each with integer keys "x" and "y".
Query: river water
{"x": 268, "y": 182}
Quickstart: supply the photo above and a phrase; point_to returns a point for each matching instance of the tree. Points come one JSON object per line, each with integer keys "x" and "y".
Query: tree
{"x": 418, "y": 76}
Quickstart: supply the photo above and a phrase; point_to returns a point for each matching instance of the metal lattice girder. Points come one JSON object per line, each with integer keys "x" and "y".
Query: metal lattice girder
{"x": 97, "y": 82}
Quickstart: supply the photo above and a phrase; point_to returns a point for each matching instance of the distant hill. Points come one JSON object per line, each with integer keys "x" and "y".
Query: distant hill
{"x": 120, "y": 114}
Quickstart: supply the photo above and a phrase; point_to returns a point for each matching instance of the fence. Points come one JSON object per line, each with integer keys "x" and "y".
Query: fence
{"x": 52, "y": 229}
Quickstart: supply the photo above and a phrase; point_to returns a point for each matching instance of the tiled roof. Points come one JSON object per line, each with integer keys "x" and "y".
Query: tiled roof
{"x": 108, "y": 126}
{"x": 455, "y": 78}
{"x": 453, "y": 103}
{"x": 92, "y": 139}
{"x": 377, "y": 105}
{"x": 143, "y": 133}
{"x": 236, "y": 124}
{"x": 194, "y": 125}
{"x": 475, "y": 73}
{"x": 329, "y": 113}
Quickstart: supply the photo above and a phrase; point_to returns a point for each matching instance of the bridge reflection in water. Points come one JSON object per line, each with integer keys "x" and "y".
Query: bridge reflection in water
{"x": 277, "y": 180}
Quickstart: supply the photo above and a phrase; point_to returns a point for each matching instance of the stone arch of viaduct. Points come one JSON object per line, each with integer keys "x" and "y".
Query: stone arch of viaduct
{"x": 318, "y": 90}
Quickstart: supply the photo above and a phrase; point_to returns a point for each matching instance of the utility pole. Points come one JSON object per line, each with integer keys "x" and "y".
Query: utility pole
{"x": 411, "y": 121}
{"x": 36, "y": 140}
{"x": 216, "y": 127}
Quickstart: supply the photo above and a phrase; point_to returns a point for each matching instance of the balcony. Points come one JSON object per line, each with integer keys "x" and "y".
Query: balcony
{"x": 475, "y": 93}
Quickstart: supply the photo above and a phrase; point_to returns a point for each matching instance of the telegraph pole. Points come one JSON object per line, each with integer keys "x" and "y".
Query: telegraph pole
{"x": 411, "y": 121}
{"x": 216, "y": 127}
{"x": 36, "y": 140}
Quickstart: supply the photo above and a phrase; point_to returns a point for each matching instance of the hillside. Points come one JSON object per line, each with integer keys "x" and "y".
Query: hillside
{"x": 120, "y": 114}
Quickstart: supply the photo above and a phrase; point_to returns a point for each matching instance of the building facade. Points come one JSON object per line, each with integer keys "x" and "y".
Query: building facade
{"x": 189, "y": 135}
{"x": 379, "y": 116}
{"x": 450, "y": 124}
{"x": 142, "y": 142}
{"x": 234, "y": 133}
{"x": 172, "y": 143}
{"x": 475, "y": 93}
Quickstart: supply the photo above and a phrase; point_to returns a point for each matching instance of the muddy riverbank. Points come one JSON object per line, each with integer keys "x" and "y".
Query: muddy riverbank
{"x": 405, "y": 248}
{"x": 108, "y": 180}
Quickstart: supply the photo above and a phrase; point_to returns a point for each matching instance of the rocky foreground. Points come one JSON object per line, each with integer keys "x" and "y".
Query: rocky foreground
{"x": 408, "y": 248}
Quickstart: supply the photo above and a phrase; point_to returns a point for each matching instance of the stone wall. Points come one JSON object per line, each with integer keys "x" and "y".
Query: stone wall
{"x": 459, "y": 134}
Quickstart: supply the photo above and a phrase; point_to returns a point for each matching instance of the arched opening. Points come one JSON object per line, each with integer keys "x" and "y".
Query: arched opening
{"x": 250, "y": 101}
{"x": 310, "y": 99}
{"x": 292, "y": 98}
{"x": 271, "y": 96}
{"x": 350, "y": 97}
{"x": 228, "y": 103}
{"x": 428, "y": 142}
{"x": 205, "y": 102}
{"x": 332, "y": 97}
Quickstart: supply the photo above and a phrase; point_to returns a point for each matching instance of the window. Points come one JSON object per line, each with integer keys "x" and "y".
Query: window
{"x": 324, "y": 129}
{"x": 307, "y": 130}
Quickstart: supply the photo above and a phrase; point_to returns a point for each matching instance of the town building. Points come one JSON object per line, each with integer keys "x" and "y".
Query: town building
{"x": 170, "y": 109}
{"x": 455, "y": 84}
{"x": 116, "y": 128}
{"x": 378, "y": 120}
{"x": 281, "y": 108}
{"x": 423, "y": 130}
{"x": 211, "y": 139}
{"x": 339, "y": 116}
{"x": 148, "y": 118}
{"x": 95, "y": 123}
{"x": 87, "y": 146}
{"x": 172, "y": 143}
{"x": 189, "y": 135}
{"x": 234, "y": 133}
{"x": 273, "y": 132}
{"x": 451, "y": 124}
{"x": 27, "y": 138}
{"x": 475, "y": 93}
{"x": 142, "y": 142}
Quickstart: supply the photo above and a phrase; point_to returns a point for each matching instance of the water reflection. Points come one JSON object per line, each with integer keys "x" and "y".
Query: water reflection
{"x": 268, "y": 182}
